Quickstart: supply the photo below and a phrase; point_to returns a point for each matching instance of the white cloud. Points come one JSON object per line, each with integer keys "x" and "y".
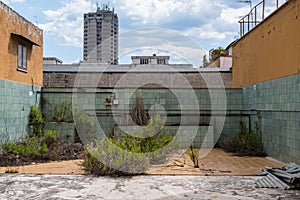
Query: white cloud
{"x": 231, "y": 15}
{"x": 205, "y": 32}
{"x": 220, "y": 28}
{"x": 165, "y": 41}
{"x": 190, "y": 54}
{"x": 206, "y": 21}
{"x": 13, "y": 1}
{"x": 159, "y": 12}
{"x": 66, "y": 22}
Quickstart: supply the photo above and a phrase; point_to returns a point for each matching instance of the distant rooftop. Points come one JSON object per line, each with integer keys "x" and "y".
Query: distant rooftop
{"x": 129, "y": 68}
{"x": 150, "y": 60}
{"x": 52, "y": 60}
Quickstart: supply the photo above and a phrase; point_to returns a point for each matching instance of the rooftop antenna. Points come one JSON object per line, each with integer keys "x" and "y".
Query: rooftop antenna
{"x": 246, "y": 1}
{"x": 36, "y": 21}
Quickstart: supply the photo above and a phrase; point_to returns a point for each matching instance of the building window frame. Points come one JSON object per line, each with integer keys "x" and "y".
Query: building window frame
{"x": 22, "y": 57}
{"x": 144, "y": 61}
{"x": 161, "y": 61}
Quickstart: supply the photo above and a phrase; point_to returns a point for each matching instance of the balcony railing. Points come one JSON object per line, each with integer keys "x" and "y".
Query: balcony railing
{"x": 257, "y": 14}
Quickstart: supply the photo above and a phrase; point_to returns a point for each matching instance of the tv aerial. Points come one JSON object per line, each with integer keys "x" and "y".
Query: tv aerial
{"x": 246, "y": 1}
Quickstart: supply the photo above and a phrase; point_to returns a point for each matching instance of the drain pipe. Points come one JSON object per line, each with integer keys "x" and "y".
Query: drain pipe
{"x": 249, "y": 124}
{"x": 259, "y": 124}
{"x": 22, "y": 131}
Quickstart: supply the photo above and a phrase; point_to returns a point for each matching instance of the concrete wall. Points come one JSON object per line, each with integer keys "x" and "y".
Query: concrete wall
{"x": 111, "y": 80}
{"x": 30, "y": 35}
{"x": 270, "y": 50}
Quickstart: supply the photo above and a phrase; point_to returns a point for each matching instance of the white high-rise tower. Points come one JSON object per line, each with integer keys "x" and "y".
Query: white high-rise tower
{"x": 101, "y": 36}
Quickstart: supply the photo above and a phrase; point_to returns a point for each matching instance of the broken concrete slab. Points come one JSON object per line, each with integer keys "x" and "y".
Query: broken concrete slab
{"x": 139, "y": 187}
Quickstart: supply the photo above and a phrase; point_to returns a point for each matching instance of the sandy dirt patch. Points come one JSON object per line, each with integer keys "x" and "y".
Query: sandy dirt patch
{"x": 217, "y": 162}
{"x": 62, "y": 167}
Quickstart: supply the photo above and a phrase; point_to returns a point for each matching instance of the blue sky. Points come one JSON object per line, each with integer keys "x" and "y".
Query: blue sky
{"x": 207, "y": 23}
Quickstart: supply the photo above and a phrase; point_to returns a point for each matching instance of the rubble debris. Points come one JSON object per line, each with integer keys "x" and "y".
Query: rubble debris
{"x": 271, "y": 181}
{"x": 287, "y": 177}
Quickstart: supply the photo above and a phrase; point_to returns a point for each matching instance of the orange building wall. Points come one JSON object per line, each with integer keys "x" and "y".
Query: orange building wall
{"x": 12, "y": 22}
{"x": 271, "y": 50}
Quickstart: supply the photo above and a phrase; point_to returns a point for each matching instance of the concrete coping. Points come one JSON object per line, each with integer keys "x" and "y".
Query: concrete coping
{"x": 106, "y": 68}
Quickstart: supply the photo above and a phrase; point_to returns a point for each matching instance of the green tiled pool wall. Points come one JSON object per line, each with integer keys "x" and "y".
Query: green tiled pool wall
{"x": 56, "y": 98}
{"x": 66, "y": 131}
{"x": 15, "y": 102}
{"x": 202, "y": 136}
{"x": 175, "y": 102}
{"x": 279, "y": 102}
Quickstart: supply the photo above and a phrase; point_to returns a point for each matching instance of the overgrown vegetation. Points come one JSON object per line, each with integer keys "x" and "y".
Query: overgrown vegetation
{"x": 246, "y": 144}
{"x": 148, "y": 142}
{"x": 4, "y": 136}
{"x": 57, "y": 112}
{"x": 108, "y": 159}
{"x": 194, "y": 154}
{"x": 36, "y": 120}
{"x": 84, "y": 124}
{"x": 62, "y": 113}
{"x": 39, "y": 148}
{"x": 131, "y": 153}
{"x": 35, "y": 115}
{"x": 124, "y": 154}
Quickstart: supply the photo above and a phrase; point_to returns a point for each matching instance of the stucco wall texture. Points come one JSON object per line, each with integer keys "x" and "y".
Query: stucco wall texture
{"x": 271, "y": 49}
{"x": 18, "y": 89}
{"x": 12, "y": 25}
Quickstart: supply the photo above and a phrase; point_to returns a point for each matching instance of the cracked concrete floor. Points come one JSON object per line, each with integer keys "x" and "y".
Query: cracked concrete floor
{"x": 139, "y": 187}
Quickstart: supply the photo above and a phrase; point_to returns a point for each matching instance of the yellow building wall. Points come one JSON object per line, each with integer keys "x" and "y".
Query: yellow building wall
{"x": 12, "y": 22}
{"x": 271, "y": 50}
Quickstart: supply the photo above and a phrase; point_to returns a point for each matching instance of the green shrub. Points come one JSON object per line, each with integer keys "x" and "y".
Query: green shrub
{"x": 62, "y": 113}
{"x": 151, "y": 140}
{"x": 49, "y": 137}
{"x": 30, "y": 147}
{"x": 154, "y": 147}
{"x": 35, "y": 116}
{"x": 247, "y": 144}
{"x": 36, "y": 120}
{"x": 124, "y": 154}
{"x": 39, "y": 148}
{"x": 194, "y": 155}
{"x": 107, "y": 159}
{"x": 43, "y": 148}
